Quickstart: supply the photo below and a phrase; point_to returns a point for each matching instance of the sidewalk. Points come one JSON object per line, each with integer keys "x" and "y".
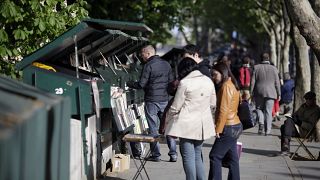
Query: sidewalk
{"x": 260, "y": 160}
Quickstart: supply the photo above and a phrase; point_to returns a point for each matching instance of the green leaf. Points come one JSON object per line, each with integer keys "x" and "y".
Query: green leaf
{"x": 3, "y": 36}
{"x": 8, "y": 52}
{"x": 52, "y": 21}
{"x": 34, "y": 5}
{"x": 3, "y": 51}
{"x": 36, "y": 21}
{"x": 42, "y": 25}
{"x": 15, "y": 52}
{"x": 12, "y": 9}
{"x": 19, "y": 34}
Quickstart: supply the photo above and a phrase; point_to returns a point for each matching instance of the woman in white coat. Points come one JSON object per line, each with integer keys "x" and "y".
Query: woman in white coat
{"x": 190, "y": 116}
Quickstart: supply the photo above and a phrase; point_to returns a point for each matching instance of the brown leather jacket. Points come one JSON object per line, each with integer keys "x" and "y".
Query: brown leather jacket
{"x": 227, "y": 106}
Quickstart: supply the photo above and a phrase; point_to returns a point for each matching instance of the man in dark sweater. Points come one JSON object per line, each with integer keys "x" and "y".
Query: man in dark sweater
{"x": 193, "y": 52}
{"x": 287, "y": 91}
{"x": 154, "y": 80}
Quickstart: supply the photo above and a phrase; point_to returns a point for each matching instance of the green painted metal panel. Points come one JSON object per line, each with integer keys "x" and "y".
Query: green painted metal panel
{"x": 87, "y": 32}
{"x": 121, "y": 25}
{"x": 34, "y": 133}
{"x": 65, "y": 39}
{"x": 61, "y": 84}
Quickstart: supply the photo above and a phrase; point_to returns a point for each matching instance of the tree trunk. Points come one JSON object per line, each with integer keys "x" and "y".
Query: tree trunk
{"x": 286, "y": 46}
{"x": 307, "y": 22}
{"x": 204, "y": 39}
{"x": 195, "y": 29}
{"x": 315, "y": 68}
{"x": 279, "y": 49}
{"x": 302, "y": 80}
{"x": 315, "y": 77}
{"x": 273, "y": 47}
{"x": 286, "y": 54}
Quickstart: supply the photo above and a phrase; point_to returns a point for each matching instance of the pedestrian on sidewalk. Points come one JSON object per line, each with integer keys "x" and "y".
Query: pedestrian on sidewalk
{"x": 265, "y": 87}
{"x": 228, "y": 125}
{"x": 245, "y": 73}
{"x": 190, "y": 116}
{"x": 287, "y": 91}
{"x": 155, "y": 77}
{"x": 192, "y": 51}
{"x": 301, "y": 122}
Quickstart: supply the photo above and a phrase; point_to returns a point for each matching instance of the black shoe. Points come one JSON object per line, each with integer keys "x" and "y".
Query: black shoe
{"x": 285, "y": 153}
{"x": 153, "y": 158}
{"x": 138, "y": 157}
{"x": 173, "y": 158}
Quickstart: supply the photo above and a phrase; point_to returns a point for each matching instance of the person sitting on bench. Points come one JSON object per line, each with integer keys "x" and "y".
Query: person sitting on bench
{"x": 300, "y": 123}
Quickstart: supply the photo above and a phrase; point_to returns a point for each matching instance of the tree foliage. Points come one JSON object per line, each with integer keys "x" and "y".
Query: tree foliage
{"x": 26, "y": 25}
{"x": 159, "y": 15}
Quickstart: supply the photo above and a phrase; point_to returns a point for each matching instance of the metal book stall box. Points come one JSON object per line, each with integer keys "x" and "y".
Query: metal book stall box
{"x": 34, "y": 133}
{"x": 174, "y": 56}
{"x": 91, "y": 63}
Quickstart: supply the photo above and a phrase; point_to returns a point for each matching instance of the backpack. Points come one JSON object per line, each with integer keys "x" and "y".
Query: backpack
{"x": 244, "y": 77}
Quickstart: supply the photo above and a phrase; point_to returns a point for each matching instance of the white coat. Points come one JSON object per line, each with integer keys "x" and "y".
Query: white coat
{"x": 190, "y": 115}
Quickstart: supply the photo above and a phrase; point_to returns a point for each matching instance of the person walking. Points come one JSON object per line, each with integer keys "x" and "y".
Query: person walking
{"x": 155, "y": 77}
{"x": 245, "y": 73}
{"x": 287, "y": 91}
{"x": 265, "y": 87}
{"x": 228, "y": 125}
{"x": 190, "y": 116}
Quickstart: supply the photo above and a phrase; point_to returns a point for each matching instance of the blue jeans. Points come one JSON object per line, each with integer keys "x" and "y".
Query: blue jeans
{"x": 226, "y": 145}
{"x": 153, "y": 111}
{"x": 191, "y": 154}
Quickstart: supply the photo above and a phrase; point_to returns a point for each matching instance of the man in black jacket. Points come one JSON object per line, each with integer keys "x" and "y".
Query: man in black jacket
{"x": 155, "y": 77}
{"x": 193, "y": 52}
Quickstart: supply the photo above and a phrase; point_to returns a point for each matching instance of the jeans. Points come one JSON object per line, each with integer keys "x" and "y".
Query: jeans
{"x": 153, "y": 111}
{"x": 264, "y": 109}
{"x": 226, "y": 145}
{"x": 191, "y": 154}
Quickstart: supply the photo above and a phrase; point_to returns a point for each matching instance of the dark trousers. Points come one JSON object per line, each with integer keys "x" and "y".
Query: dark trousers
{"x": 288, "y": 129}
{"x": 226, "y": 145}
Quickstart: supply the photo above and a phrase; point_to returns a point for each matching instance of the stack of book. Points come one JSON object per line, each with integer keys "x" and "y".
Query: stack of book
{"x": 126, "y": 115}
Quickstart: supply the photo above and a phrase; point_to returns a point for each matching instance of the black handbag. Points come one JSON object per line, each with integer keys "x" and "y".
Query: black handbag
{"x": 247, "y": 115}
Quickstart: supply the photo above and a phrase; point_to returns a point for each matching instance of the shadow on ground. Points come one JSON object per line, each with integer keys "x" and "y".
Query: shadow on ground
{"x": 256, "y": 134}
{"x": 298, "y": 157}
{"x": 304, "y": 176}
{"x": 111, "y": 178}
{"x": 262, "y": 152}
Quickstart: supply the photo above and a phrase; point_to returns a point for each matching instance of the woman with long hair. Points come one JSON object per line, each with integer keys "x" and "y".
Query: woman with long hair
{"x": 190, "y": 118}
{"x": 228, "y": 125}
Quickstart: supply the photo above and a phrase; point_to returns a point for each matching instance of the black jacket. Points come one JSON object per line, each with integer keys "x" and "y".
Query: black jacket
{"x": 155, "y": 77}
{"x": 204, "y": 68}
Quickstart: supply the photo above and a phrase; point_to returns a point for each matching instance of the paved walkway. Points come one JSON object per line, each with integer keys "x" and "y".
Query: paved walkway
{"x": 260, "y": 160}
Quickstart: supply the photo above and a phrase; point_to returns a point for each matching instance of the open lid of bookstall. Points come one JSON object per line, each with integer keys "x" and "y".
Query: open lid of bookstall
{"x": 173, "y": 54}
{"x": 92, "y": 37}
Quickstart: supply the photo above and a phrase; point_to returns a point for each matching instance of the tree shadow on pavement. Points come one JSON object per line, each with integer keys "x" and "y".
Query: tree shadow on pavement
{"x": 256, "y": 134}
{"x": 268, "y": 153}
{"x": 111, "y": 178}
{"x": 300, "y": 176}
